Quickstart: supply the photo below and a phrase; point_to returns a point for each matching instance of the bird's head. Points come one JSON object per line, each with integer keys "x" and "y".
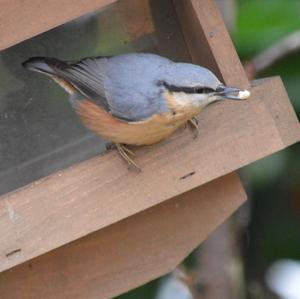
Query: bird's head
{"x": 198, "y": 86}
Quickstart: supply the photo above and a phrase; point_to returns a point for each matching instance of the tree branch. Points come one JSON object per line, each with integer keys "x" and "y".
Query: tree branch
{"x": 284, "y": 47}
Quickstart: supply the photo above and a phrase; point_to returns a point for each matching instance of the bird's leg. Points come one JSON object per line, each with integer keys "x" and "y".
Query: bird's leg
{"x": 110, "y": 146}
{"x": 125, "y": 152}
{"x": 193, "y": 122}
{"x": 128, "y": 151}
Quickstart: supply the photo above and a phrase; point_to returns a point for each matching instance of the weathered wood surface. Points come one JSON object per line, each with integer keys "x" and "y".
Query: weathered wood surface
{"x": 96, "y": 193}
{"x": 129, "y": 253}
{"x": 20, "y": 20}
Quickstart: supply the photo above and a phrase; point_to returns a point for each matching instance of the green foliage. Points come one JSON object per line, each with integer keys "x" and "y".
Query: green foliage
{"x": 260, "y": 23}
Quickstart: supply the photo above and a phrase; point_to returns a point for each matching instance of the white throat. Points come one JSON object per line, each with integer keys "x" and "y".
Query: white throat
{"x": 196, "y": 100}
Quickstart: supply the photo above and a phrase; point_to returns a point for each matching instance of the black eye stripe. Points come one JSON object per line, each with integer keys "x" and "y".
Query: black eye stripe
{"x": 174, "y": 88}
{"x": 204, "y": 90}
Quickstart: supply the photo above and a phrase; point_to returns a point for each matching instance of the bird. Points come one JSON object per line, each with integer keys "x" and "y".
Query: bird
{"x": 136, "y": 98}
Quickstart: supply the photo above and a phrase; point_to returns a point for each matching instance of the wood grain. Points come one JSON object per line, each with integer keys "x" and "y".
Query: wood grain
{"x": 96, "y": 193}
{"x": 285, "y": 117}
{"x": 128, "y": 253}
{"x": 20, "y": 20}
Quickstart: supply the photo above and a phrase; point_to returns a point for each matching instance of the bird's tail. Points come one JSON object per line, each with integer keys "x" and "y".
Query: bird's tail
{"x": 46, "y": 65}
{"x": 51, "y": 67}
{"x": 84, "y": 76}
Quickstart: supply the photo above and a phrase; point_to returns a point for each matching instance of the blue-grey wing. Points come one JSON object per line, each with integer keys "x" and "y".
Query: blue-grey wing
{"x": 132, "y": 85}
{"x": 87, "y": 78}
{"x": 125, "y": 85}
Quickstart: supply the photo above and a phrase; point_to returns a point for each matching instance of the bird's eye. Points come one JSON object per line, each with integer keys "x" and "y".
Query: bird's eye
{"x": 199, "y": 90}
{"x": 186, "y": 89}
{"x": 204, "y": 90}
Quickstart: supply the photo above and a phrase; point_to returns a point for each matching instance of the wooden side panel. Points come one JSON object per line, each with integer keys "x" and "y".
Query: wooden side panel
{"x": 285, "y": 118}
{"x": 128, "y": 253}
{"x": 208, "y": 40}
{"x": 20, "y": 20}
{"x": 96, "y": 193}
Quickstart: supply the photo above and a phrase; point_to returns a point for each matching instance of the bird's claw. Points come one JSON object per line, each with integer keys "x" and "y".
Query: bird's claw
{"x": 125, "y": 153}
{"x": 110, "y": 146}
{"x": 193, "y": 122}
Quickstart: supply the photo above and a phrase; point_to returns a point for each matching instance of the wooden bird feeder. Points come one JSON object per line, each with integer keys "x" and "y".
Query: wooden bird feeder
{"x": 95, "y": 229}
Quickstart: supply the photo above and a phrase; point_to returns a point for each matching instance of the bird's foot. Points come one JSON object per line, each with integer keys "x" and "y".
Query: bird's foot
{"x": 128, "y": 151}
{"x": 193, "y": 122}
{"x": 110, "y": 146}
{"x": 125, "y": 153}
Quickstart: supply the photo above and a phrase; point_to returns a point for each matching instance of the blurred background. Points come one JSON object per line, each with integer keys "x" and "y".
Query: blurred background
{"x": 256, "y": 253}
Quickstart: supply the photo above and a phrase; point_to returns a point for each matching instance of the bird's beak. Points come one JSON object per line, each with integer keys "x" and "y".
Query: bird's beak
{"x": 232, "y": 93}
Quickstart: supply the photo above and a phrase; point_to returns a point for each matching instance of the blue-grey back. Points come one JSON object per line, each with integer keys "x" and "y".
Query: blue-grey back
{"x": 132, "y": 83}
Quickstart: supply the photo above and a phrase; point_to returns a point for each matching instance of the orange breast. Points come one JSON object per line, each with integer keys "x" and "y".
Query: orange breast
{"x": 148, "y": 131}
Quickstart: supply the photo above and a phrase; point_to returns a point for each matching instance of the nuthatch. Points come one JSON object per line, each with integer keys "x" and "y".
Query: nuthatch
{"x": 135, "y": 99}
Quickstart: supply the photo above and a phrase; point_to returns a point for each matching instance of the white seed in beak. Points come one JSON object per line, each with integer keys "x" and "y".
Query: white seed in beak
{"x": 244, "y": 94}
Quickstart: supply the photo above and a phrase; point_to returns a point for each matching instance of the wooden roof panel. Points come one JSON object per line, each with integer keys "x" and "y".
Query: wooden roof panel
{"x": 20, "y": 20}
